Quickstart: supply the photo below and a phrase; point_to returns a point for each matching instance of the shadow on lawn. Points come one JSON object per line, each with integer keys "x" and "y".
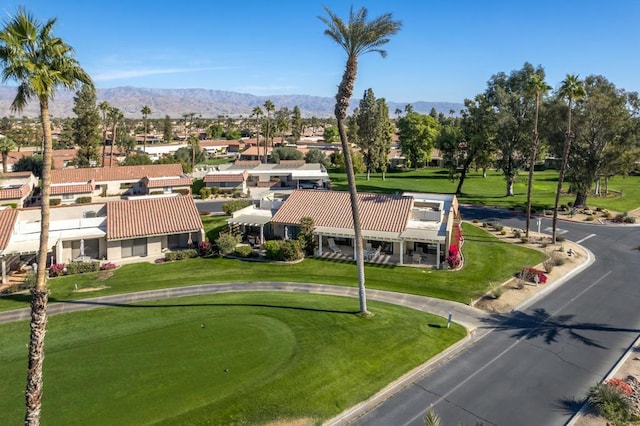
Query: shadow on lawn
{"x": 539, "y": 323}
{"x": 190, "y": 305}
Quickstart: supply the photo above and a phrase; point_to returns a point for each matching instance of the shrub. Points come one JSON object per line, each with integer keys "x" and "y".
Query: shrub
{"x": 485, "y": 225}
{"x": 529, "y": 274}
{"x": 589, "y": 218}
{"x": 619, "y": 218}
{"x": 56, "y": 270}
{"x": 235, "y": 205}
{"x": 548, "y": 265}
{"x": 291, "y": 250}
{"x": 156, "y": 193}
{"x": 499, "y": 228}
{"x": 610, "y": 403}
{"x": 54, "y": 201}
{"x": 12, "y": 205}
{"x": 559, "y": 238}
{"x": 453, "y": 259}
{"x": 205, "y": 248}
{"x": 74, "y": 268}
{"x": 107, "y": 266}
{"x": 83, "y": 200}
{"x": 524, "y": 240}
{"x": 620, "y": 385}
{"x": 227, "y": 242}
{"x": 629, "y": 219}
{"x": 170, "y": 256}
{"x": 244, "y": 251}
{"x": 182, "y": 191}
{"x": 186, "y": 254}
{"x": 606, "y": 214}
{"x": 517, "y": 233}
{"x": 272, "y": 249}
{"x": 205, "y": 193}
{"x": 475, "y": 220}
{"x": 496, "y": 292}
{"x": 503, "y": 232}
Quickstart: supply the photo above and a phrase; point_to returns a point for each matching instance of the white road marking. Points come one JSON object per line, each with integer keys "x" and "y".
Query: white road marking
{"x": 585, "y": 238}
{"x": 559, "y": 231}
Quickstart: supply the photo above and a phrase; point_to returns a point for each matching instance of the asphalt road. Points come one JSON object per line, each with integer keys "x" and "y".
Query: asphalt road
{"x": 537, "y": 364}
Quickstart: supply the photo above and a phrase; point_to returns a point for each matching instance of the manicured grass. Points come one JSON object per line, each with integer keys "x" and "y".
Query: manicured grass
{"x": 488, "y": 261}
{"x": 490, "y": 191}
{"x": 213, "y": 225}
{"x": 287, "y": 355}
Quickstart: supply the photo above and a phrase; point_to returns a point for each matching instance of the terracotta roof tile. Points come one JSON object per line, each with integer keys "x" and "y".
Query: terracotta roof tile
{"x": 14, "y": 192}
{"x": 73, "y": 188}
{"x": 105, "y": 174}
{"x": 7, "y": 222}
{"x": 151, "y": 216}
{"x": 225, "y": 177}
{"x": 166, "y": 181}
{"x": 247, "y": 163}
{"x": 292, "y": 163}
{"x": 378, "y": 212}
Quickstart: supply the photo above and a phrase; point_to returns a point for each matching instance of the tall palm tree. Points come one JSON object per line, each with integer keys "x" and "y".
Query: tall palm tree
{"x": 40, "y": 63}
{"x": 538, "y": 87}
{"x": 257, "y": 112}
{"x": 104, "y": 108}
{"x": 356, "y": 37}
{"x": 269, "y": 107}
{"x": 571, "y": 88}
{"x": 194, "y": 142}
{"x": 6, "y": 146}
{"x": 115, "y": 116}
{"x": 145, "y": 115}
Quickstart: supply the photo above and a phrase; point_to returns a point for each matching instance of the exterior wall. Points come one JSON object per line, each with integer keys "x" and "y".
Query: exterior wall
{"x": 114, "y": 251}
{"x": 154, "y": 245}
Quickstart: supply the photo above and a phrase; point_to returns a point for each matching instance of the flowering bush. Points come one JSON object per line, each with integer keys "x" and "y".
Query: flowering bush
{"x": 108, "y": 265}
{"x": 205, "y": 248}
{"x": 529, "y": 274}
{"x": 56, "y": 270}
{"x": 453, "y": 259}
{"x": 620, "y": 385}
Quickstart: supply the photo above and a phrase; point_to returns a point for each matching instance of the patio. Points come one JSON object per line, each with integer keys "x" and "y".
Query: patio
{"x": 345, "y": 253}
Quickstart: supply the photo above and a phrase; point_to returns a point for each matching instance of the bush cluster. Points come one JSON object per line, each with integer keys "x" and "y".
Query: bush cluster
{"x": 235, "y": 205}
{"x": 181, "y": 254}
{"x": 56, "y": 270}
{"x": 529, "y": 274}
{"x": 611, "y": 403}
{"x": 82, "y": 267}
{"x": 288, "y": 250}
{"x": 245, "y": 252}
{"x": 227, "y": 242}
{"x": 83, "y": 200}
{"x": 107, "y": 266}
{"x": 54, "y": 201}
{"x": 453, "y": 259}
{"x": 205, "y": 193}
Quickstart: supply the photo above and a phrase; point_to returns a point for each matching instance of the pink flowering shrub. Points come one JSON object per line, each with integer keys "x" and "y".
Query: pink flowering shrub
{"x": 620, "y": 385}
{"x": 56, "y": 270}
{"x": 453, "y": 259}
{"x": 529, "y": 274}
{"x": 108, "y": 265}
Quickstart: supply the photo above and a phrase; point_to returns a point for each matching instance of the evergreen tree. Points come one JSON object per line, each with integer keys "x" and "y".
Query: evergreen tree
{"x": 296, "y": 124}
{"x": 167, "y": 129}
{"x": 86, "y": 126}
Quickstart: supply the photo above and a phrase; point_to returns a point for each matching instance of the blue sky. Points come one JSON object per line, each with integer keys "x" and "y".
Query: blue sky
{"x": 446, "y": 50}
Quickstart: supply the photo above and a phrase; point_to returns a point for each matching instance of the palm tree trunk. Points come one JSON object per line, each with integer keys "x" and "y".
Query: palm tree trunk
{"x": 345, "y": 90}
{"x": 534, "y": 151}
{"x": 113, "y": 142}
{"x": 563, "y": 166}
{"x": 39, "y": 295}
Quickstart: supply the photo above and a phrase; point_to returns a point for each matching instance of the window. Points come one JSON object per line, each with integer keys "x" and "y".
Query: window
{"x": 68, "y": 196}
{"x": 135, "y": 247}
{"x": 177, "y": 241}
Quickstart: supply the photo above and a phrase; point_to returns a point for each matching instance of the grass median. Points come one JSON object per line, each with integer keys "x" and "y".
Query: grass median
{"x": 244, "y": 358}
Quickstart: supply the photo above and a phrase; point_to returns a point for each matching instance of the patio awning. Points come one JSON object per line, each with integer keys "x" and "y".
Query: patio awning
{"x": 250, "y": 220}
{"x": 423, "y": 235}
{"x": 31, "y": 244}
{"x": 349, "y": 233}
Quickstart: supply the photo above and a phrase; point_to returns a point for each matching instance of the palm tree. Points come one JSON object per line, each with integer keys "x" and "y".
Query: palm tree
{"x": 257, "y": 111}
{"x": 115, "y": 115}
{"x": 39, "y": 63}
{"x": 571, "y": 88}
{"x": 356, "y": 37}
{"x": 538, "y": 87}
{"x": 6, "y": 146}
{"x": 269, "y": 107}
{"x": 145, "y": 115}
{"x": 194, "y": 143}
{"x": 104, "y": 107}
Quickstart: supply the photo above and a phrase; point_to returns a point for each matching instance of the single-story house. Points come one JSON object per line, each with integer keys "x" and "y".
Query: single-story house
{"x": 136, "y": 229}
{"x": 69, "y": 184}
{"x": 287, "y": 174}
{"x": 235, "y": 180}
{"x": 16, "y": 187}
{"x": 407, "y": 228}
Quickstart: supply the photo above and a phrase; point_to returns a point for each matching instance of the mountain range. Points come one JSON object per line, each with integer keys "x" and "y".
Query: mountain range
{"x": 202, "y": 102}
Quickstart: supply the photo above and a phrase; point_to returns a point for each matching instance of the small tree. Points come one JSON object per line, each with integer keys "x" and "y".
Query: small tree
{"x": 306, "y": 235}
{"x": 227, "y": 243}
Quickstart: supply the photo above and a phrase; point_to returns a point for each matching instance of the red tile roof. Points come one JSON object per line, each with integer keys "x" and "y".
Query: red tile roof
{"x": 105, "y": 174}
{"x": 247, "y": 163}
{"x": 226, "y": 177}
{"x": 378, "y": 212}
{"x": 152, "y": 216}
{"x": 7, "y": 222}
{"x": 166, "y": 181}
{"x": 292, "y": 163}
{"x": 75, "y": 188}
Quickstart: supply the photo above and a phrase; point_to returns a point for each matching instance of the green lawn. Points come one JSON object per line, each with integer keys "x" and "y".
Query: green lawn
{"x": 490, "y": 191}
{"x": 488, "y": 261}
{"x": 287, "y": 355}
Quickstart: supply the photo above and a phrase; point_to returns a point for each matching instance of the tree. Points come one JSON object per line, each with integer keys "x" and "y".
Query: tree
{"x": 167, "y": 129}
{"x": 571, "y": 88}
{"x": 86, "y": 126}
{"x": 282, "y": 121}
{"x": 40, "y": 62}
{"x": 296, "y": 124}
{"x": 508, "y": 95}
{"x": 314, "y": 155}
{"x": 137, "y": 160}
{"x": 194, "y": 143}
{"x": 357, "y": 161}
{"x": 537, "y": 87}
{"x": 31, "y": 164}
{"x": 268, "y": 107}
{"x": 330, "y": 134}
{"x": 115, "y": 116}
{"x": 257, "y": 113}
{"x": 285, "y": 153}
{"x": 6, "y": 146}
{"x": 372, "y": 131}
{"x": 104, "y": 108}
{"x": 417, "y": 136}
{"x": 357, "y": 37}
{"x": 145, "y": 111}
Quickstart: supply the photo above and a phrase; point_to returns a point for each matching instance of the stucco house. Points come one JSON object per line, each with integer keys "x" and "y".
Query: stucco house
{"x": 136, "y": 230}
{"x": 16, "y": 188}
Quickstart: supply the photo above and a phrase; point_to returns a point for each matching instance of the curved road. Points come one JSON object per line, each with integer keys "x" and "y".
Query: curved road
{"x": 535, "y": 366}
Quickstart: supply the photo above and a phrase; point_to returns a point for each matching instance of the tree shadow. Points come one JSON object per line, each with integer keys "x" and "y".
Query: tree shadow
{"x": 540, "y": 324}
{"x": 569, "y": 405}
